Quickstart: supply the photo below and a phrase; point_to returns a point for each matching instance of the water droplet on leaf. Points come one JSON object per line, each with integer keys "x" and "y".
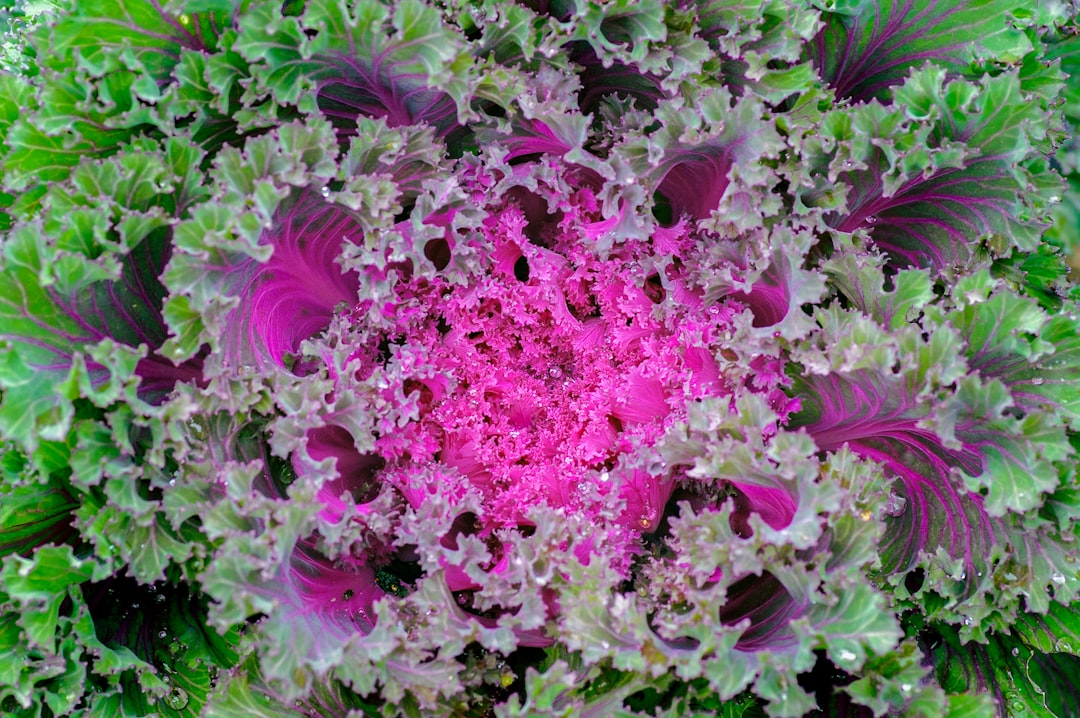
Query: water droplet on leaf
{"x": 895, "y": 506}
{"x": 177, "y": 699}
{"x": 1057, "y": 578}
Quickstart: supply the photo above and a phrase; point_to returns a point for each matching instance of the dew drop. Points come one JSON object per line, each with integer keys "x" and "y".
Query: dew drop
{"x": 555, "y": 372}
{"x": 160, "y": 598}
{"x": 968, "y": 621}
{"x": 906, "y": 687}
{"x": 1037, "y": 381}
{"x": 162, "y": 634}
{"x": 604, "y": 476}
{"x": 325, "y": 191}
{"x": 871, "y": 219}
{"x": 1058, "y": 578}
{"x": 895, "y": 506}
{"x": 846, "y": 656}
{"x": 1015, "y": 652}
{"x": 177, "y": 699}
{"x": 172, "y": 482}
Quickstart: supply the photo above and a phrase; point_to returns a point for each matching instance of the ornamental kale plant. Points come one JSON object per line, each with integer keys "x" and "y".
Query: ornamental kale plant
{"x": 539, "y": 358}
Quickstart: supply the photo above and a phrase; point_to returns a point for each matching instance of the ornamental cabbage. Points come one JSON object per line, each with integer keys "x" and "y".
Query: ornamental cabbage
{"x": 485, "y": 358}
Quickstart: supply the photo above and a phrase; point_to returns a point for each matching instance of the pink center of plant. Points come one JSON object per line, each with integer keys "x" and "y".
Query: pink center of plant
{"x": 532, "y": 379}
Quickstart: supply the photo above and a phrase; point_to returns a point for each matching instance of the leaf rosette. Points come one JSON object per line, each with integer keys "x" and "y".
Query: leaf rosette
{"x": 538, "y": 358}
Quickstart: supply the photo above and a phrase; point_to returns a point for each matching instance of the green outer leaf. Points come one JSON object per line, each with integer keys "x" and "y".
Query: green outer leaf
{"x": 873, "y": 45}
{"x": 860, "y": 279}
{"x": 856, "y": 625}
{"x": 16, "y": 94}
{"x": 31, "y": 514}
{"x": 1018, "y": 454}
{"x": 130, "y": 33}
{"x": 950, "y": 164}
{"x": 36, "y": 157}
{"x": 236, "y": 698}
{"x": 38, "y": 585}
{"x": 1021, "y": 681}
